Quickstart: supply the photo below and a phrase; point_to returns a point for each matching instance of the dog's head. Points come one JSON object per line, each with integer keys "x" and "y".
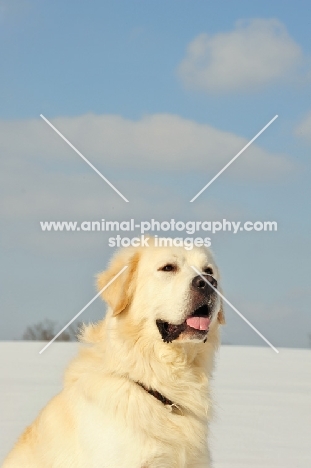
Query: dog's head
{"x": 161, "y": 289}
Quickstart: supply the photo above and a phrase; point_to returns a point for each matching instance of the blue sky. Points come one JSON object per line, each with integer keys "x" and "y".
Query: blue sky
{"x": 159, "y": 96}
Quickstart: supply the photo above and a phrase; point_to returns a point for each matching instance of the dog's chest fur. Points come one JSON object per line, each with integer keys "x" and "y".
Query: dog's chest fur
{"x": 119, "y": 415}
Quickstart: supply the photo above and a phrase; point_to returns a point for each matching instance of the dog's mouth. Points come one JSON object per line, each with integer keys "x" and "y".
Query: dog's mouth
{"x": 196, "y": 325}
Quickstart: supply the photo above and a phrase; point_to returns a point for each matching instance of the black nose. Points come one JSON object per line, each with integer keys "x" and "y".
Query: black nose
{"x": 199, "y": 283}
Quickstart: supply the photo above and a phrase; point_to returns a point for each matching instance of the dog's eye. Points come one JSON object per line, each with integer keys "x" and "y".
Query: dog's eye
{"x": 208, "y": 270}
{"x": 168, "y": 267}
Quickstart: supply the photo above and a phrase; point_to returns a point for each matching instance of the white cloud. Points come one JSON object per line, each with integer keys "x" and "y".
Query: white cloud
{"x": 42, "y": 178}
{"x": 256, "y": 53}
{"x": 303, "y": 129}
{"x": 160, "y": 142}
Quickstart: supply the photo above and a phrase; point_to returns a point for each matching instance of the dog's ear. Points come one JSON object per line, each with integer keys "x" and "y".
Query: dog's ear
{"x": 221, "y": 316}
{"x": 119, "y": 293}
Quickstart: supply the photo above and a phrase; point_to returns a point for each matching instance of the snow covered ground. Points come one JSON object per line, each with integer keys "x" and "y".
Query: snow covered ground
{"x": 262, "y": 401}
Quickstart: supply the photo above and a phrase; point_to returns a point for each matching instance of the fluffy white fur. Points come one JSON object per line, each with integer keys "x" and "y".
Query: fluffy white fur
{"x": 102, "y": 418}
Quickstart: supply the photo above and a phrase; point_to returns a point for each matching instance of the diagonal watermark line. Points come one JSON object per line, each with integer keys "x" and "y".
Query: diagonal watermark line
{"x": 236, "y": 310}
{"x": 85, "y": 307}
{"x": 233, "y": 159}
{"x": 83, "y": 157}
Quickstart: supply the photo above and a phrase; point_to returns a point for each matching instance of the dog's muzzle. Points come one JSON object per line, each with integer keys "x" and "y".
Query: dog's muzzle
{"x": 197, "y": 323}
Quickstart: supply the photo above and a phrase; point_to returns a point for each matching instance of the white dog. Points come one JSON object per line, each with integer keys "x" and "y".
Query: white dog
{"x": 137, "y": 395}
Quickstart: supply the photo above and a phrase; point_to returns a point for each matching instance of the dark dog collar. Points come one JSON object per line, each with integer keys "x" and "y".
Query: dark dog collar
{"x": 166, "y": 402}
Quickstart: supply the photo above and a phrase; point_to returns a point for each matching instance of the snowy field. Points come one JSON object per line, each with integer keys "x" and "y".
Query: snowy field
{"x": 262, "y": 401}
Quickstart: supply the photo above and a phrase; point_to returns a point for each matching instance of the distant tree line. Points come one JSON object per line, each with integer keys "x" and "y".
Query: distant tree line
{"x": 47, "y": 329}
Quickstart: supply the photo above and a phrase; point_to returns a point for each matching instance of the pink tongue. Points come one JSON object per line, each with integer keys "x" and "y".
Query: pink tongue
{"x": 199, "y": 323}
